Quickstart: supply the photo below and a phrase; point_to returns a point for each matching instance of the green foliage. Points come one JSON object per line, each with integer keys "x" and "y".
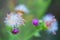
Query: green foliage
{"x": 37, "y": 9}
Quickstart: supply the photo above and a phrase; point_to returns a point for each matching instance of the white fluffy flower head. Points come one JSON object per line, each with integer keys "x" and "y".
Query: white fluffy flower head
{"x": 22, "y": 8}
{"x": 14, "y": 20}
{"x": 51, "y": 23}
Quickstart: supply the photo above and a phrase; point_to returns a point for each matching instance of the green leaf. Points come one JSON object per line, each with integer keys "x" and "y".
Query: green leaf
{"x": 38, "y": 9}
{"x": 37, "y": 34}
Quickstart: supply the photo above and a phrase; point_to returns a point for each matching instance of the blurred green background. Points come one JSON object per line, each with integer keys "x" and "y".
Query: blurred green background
{"x": 54, "y": 8}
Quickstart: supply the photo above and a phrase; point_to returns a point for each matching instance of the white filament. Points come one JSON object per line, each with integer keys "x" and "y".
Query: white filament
{"x": 22, "y": 8}
{"x": 54, "y": 25}
{"x": 14, "y": 20}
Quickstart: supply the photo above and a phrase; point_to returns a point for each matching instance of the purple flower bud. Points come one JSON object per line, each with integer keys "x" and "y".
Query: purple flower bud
{"x": 35, "y": 22}
{"x": 15, "y": 31}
